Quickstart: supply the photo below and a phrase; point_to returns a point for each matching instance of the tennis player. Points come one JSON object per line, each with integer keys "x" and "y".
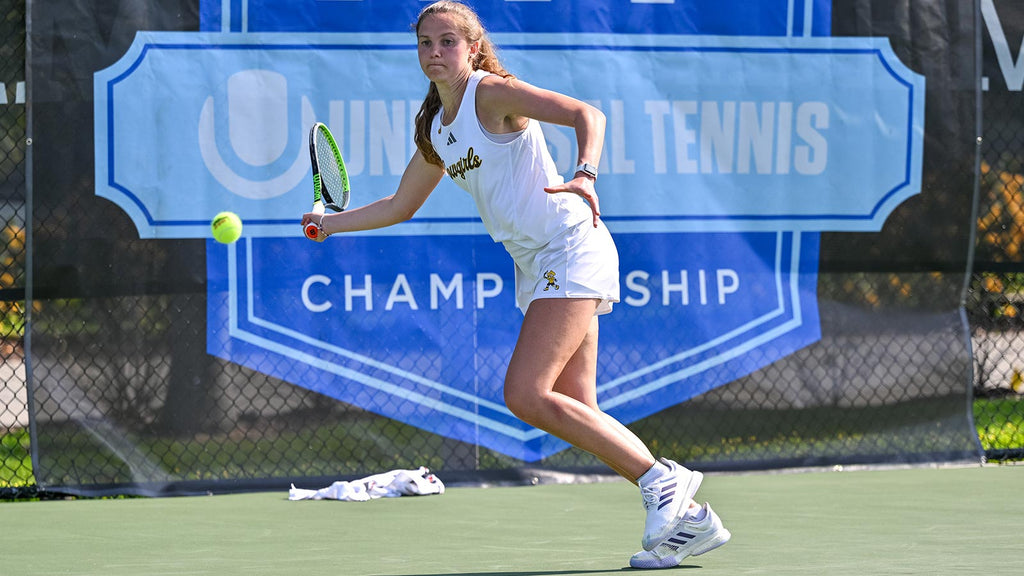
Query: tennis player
{"x": 479, "y": 125}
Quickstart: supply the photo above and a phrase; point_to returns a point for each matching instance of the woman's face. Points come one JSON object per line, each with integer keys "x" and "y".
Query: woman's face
{"x": 443, "y": 52}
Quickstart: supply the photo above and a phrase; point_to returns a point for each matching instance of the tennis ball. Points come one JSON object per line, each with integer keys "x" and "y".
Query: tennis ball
{"x": 226, "y": 227}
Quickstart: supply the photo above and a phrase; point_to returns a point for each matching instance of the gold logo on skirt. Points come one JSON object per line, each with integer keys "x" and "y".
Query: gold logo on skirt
{"x": 551, "y": 278}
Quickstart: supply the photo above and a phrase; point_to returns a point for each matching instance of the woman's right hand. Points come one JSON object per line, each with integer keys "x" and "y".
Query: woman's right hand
{"x": 317, "y": 219}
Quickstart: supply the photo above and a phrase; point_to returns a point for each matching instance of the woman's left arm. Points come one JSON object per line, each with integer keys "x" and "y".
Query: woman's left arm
{"x": 506, "y": 103}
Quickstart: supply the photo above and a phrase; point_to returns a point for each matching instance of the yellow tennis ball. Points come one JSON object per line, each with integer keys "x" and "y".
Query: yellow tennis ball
{"x": 226, "y": 227}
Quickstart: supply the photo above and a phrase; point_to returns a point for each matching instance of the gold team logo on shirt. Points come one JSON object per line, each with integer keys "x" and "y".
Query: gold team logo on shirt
{"x": 551, "y": 278}
{"x": 459, "y": 169}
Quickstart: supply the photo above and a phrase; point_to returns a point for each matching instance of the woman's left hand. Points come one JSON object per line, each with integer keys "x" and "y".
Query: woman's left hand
{"x": 584, "y": 187}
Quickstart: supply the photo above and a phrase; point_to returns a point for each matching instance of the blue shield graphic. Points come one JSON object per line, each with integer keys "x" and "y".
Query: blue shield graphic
{"x": 423, "y": 341}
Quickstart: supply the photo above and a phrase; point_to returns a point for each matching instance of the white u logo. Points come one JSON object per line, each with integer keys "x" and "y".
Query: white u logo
{"x": 258, "y": 132}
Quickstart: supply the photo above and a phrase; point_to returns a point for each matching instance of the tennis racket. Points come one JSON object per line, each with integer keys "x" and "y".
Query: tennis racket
{"x": 330, "y": 179}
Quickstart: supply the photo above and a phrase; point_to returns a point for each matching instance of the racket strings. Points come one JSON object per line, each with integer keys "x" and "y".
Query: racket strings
{"x": 331, "y": 178}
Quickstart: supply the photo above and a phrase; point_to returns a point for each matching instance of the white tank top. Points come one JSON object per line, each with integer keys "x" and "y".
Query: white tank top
{"x": 506, "y": 175}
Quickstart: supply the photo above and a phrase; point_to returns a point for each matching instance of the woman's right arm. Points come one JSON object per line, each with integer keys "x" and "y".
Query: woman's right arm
{"x": 418, "y": 181}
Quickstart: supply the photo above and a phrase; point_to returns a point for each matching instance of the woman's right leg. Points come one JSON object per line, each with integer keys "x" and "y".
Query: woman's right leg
{"x": 553, "y": 333}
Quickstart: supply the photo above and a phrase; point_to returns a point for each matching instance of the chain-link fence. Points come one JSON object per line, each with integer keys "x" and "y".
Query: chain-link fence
{"x": 995, "y": 300}
{"x": 129, "y": 399}
{"x": 15, "y": 463}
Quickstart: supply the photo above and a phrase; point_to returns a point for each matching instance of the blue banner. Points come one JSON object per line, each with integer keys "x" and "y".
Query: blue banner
{"x": 719, "y": 18}
{"x": 837, "y": 146}
{"x": 737, "y": 132}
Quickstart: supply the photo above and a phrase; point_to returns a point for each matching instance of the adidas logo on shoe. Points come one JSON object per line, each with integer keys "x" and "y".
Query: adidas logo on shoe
{"x": 667, "y": 490}
{"x": 692, "y": 536}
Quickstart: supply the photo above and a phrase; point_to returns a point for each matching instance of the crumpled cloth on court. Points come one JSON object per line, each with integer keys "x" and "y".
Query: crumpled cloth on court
{"x": 418, "y": 482}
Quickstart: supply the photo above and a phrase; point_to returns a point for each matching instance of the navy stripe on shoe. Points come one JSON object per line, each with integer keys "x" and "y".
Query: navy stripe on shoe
{"x": 667, "y": 493}
{"x": 665, "y": 500}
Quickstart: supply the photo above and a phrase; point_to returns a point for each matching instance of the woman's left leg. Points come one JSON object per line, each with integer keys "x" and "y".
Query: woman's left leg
{"x": 551, "y": 384}
{"x": 579, "y": 380}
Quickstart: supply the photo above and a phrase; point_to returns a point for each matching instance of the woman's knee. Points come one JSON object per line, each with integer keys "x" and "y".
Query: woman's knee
{"x": 536, "y": 408}
{"x": 523, "y": 404}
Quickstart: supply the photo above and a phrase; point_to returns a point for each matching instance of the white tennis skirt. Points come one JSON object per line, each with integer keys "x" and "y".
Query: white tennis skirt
{"x": 581, "y": 263}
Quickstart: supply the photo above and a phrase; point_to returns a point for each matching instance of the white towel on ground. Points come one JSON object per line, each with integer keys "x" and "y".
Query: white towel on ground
{"x": 418, "y": 482}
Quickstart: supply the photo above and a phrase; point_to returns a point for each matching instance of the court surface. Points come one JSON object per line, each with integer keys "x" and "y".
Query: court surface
{"x": 908, "y": 521}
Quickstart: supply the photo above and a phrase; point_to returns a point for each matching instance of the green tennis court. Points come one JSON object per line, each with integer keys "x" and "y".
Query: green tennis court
{"x": 906, "y": 521}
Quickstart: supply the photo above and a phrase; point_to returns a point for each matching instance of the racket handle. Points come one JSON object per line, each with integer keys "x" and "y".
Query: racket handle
{"x": 312, "y": 231}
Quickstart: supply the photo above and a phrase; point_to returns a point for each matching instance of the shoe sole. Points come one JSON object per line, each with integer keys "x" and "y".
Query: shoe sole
{"x": 696, "y": 478}
{"x": 720, "y": 538}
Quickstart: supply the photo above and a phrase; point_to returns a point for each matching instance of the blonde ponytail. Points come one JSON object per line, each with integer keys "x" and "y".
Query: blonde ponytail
{"x": 431, "y": 105}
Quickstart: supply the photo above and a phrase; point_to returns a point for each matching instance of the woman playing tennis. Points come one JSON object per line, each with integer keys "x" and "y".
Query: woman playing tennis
{"x": 479, "y": 126}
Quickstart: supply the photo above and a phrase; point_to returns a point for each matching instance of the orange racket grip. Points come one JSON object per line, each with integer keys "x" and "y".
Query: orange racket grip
{"x": 312, "y": 231}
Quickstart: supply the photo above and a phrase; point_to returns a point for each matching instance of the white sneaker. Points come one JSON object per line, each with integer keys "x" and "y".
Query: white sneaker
{"x": 692, "y": 536}
{"x": 666, "y": 499}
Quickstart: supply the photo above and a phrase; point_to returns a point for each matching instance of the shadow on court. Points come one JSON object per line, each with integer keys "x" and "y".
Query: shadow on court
{"x": 546, "y": 572}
